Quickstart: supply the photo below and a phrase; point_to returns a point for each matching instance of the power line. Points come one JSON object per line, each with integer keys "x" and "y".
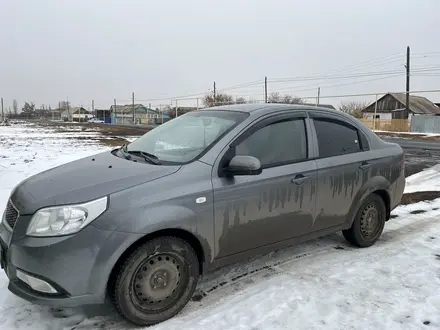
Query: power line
{"x": 326, "y": 76}
{"x": 381, "y": 60}
{"x": 289, "y": 90}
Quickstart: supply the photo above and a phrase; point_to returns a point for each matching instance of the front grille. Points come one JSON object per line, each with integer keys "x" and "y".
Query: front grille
{"x": 11, "y": 215}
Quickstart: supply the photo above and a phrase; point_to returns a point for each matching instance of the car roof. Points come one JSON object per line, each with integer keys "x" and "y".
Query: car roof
{"x": 268, "y": 107}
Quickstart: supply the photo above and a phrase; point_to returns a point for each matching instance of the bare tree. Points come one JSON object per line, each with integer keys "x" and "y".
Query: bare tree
{"x": 64, "y": 105}
{"x": 220, "y": 99}
{"x": 15, "y": 107}
{"x": 240, "y": 100}
{"x": 29, "y": 109}
{"x": 353, "y": 108}
{"x": 286, "y": 98}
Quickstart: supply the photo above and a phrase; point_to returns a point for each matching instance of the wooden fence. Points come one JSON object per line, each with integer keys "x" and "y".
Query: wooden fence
{"x": 391, "y": 125}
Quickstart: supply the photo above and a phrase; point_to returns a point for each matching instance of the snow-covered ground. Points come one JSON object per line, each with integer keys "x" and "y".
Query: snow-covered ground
{"x": 322, "y": 284}
{"x": 409, "y": 133}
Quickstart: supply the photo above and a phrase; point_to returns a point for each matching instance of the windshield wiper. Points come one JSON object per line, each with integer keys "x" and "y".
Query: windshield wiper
{"x": 123, "y": 150}
{"x": 152, "y": 159}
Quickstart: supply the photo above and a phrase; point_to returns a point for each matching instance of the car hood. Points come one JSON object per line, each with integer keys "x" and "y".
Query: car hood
{"x": 84, "y": 180}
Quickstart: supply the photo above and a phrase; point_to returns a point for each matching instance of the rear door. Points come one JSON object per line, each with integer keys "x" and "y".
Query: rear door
{"x": 343, "y": 167}
{"x": 278, "y": 204}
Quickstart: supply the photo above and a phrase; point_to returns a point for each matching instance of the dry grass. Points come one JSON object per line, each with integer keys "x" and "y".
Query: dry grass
{"x": 419, "y": 196}
{"x": 104, "y": 129}
{"x": 109, "y": 142}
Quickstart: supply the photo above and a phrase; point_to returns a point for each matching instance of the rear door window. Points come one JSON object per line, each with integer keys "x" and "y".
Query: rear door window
{"x": 336, "y": 137}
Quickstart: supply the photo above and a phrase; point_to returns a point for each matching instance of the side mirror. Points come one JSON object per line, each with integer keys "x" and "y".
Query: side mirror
{"x": 243, "y": 165}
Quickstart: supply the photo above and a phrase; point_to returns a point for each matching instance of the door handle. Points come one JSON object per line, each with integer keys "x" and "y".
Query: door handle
{"x": 365, "y": 166}
{"x": 299, "y": 179}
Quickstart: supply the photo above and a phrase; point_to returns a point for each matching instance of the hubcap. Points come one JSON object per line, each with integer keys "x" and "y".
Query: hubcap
{"x": 370, "y": 221}
{"x": 156, "y": 282}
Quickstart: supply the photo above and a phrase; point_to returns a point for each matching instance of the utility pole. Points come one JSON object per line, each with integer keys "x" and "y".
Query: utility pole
{"x": 319, "y": 93}
{"x": 407, "y": 82}
{"x": 3, "y": 114}
{"x": 132, "y": 106}
{"x": 116, "y": 117}
{"x": 265, "y": 89}
{"x": 214, "y": 93}
{"x": 93, "y": 108}
{"x": 375, "y": 112}
{"x": 70, "y": 118}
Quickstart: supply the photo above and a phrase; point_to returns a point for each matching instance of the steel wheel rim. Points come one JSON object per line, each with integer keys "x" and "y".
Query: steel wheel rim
{"x": 157, "y": 282}
{"x": 370, "y": 224}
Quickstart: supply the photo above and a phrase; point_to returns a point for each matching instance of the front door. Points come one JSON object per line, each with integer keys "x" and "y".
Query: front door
{"x": 278, "y": 204}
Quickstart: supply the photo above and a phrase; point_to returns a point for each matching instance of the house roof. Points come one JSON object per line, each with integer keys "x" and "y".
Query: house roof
{"x": 128, "y": 108}
{"x": 75, "y": 109}
{"x": 417, "y": 104}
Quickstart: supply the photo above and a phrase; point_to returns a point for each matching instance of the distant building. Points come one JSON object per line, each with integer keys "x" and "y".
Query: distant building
{"x": 104, "y": 114}
{"x": 54, "y": 114}
{"x": 123, "y": 114}
{"x": 78, "y": 114}
{"x": 393, "y": 105}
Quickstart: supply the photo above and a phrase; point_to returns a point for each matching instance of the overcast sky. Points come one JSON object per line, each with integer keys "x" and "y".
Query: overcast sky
{"x": 51, "y": 50}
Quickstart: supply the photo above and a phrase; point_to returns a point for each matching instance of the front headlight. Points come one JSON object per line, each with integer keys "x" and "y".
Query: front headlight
{"x": 65, "y": 220}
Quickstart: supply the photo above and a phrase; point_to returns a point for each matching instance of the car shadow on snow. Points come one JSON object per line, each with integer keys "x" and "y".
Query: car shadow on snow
{"x": 234, "y": 277}
{"x": 238, "y": 276}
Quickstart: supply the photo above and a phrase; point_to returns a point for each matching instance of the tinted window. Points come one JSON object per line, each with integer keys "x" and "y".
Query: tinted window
{"x": 336, "y": 138}
{"x": 277, "y": 143}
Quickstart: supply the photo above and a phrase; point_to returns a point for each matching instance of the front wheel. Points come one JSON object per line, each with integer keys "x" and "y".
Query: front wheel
{"x": 156, "y": 281}
{"x": 369, "y": 222}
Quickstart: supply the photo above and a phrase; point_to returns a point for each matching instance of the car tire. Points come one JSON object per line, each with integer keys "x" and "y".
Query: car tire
{"x": 368, "y": 224}
{"x": 156, "y": 281}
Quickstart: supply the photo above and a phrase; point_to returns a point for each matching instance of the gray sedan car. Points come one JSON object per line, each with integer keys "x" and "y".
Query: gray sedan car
{"x": 143, "y": 222}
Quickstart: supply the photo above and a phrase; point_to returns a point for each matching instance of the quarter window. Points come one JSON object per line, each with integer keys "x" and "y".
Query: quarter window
{"x": 336, "y": 138}
{"x": 276, "y": 144}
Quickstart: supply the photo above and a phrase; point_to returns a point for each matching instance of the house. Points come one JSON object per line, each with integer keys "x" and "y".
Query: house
{"x": 393, "y": 105}
{"x": 123, "y": 114}
{"x": 78, "y": 114}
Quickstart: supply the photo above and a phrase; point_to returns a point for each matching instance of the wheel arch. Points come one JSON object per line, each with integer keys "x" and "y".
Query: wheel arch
{"x": 386, "y": 199}
{"x": 187, "y": 236}
{"x": 377, "y": 185}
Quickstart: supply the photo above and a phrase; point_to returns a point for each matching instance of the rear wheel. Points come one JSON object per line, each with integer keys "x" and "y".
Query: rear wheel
{"x": 368, "y": 224}
{"x": 156, "y": 281}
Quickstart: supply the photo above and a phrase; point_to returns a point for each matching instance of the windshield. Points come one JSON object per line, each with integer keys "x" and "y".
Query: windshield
{"x": 184, "y": 138}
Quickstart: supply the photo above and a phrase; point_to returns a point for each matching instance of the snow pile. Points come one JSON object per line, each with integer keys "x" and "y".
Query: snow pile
{"x": 426, "y": 180}
{"x": 321, "y": 284}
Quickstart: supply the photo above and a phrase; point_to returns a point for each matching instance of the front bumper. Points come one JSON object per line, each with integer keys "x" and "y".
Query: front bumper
{"x": 77, "y": 266}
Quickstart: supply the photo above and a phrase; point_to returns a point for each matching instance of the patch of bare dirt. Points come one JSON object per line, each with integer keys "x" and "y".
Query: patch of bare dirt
{"x": 417, "y": 212}
{"x": 419, "y": 196}
{"x": 104, "y": 129}
{"x": 113, "y": 141}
